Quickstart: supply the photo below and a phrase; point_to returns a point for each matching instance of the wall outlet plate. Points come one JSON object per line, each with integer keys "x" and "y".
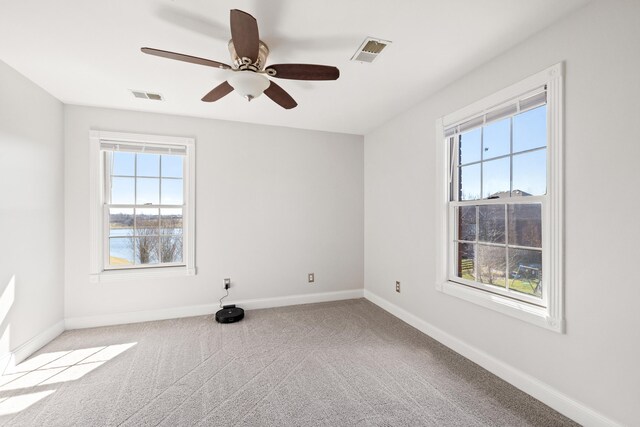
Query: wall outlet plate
{"x": 227, "y": 283}
{"x": 397, "y": 286}
{"x": 312, "y": 277}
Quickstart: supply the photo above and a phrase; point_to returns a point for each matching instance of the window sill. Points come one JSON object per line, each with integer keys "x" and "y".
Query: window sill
{"x": 136, "y": 274}
{"x": 530, "y": 313}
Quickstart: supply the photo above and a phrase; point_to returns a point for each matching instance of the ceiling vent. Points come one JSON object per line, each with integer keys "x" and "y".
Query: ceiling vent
{"x": 369, "y": 49}
{"x": 146, "y": 95}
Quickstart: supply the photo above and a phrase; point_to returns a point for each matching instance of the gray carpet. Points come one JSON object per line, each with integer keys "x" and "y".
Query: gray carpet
{"x": 306, "y": 365}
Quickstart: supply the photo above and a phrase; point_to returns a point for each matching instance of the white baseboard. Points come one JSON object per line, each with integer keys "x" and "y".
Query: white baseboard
{"x": 11, "y": 359}
{"x": 204, "y": 309}
{"x": 254, "y": 304}
{"x": 525, "y": 382}
{"x": 137, "y": 316}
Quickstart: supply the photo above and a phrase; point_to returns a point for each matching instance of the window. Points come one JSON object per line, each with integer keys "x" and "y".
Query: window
{"x": 501, "y": 217}
{"x": 142, "y": 203}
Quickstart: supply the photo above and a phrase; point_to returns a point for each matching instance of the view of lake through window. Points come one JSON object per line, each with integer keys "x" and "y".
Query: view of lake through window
{"x": 145, "y": 213}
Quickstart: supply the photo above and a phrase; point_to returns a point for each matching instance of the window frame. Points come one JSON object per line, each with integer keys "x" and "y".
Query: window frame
{"x": 100, "y": 271}
{"x": 547, "y": 312}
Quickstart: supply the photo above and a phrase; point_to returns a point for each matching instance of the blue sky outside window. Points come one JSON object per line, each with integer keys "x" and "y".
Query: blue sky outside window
{"x": 530, "y": 129}
{"x": 148, "y": 164}
{"x": 508, "y": 157}
{"x": 139, "y": 178}
{"x": 496, "y": 139}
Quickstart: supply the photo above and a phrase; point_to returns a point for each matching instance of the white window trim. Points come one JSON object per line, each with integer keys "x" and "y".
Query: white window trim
{"x": 97, "y": 270}
{"x": 551, "y": 316}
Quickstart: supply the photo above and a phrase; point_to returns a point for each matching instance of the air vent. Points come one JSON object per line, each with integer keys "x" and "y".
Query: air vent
{"x": 369, "y": 49}
{"x": 146, "y": 95}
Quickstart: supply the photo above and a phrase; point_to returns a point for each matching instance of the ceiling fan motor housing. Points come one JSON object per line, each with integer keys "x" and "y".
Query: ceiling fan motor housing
{"x": 245, "y": 63}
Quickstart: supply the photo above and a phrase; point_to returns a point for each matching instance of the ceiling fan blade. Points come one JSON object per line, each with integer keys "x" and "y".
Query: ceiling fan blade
{"x": 218, "y": 92}
{"x": 304, "y": 72}
{"x": 244, "y": 33}
{"x": 280, "y": 96}
{"x": 185, "y": 58}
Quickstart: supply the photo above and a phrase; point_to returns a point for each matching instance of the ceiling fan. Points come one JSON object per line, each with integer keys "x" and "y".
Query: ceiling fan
{"x": 249, "y": 55}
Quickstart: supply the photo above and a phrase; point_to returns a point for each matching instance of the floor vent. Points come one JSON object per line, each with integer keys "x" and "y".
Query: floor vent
{"x": 146, "y": 95}
{"x": 369, "y": 49}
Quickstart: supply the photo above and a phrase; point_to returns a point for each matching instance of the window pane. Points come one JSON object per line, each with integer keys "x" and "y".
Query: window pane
{"x": 121, "y": 250}
{"x": 171, "y": 166}
{"x": 171, "y": 248}
{"x": 470, "y": 146}
{"x": 470, "y": 182}
{"x": 466, "y": 261}
{"x": 491, "y": 227}
{"x": 171, "y": 191}
{"x": 171, "y": 221}
{"x": 148, "y": 165}
{"x": 496, "y": 139}
{"x": 120, "y": 222}
{"x": 495, "y": 178}
{"x": 525, "y": 268}
{"x": 148, "y": 191}
{"x": 123, "y": 163}
{"x": 467, "y": 223}
{"x": 122, "y": 191}
{"x": 147, "y": 222}
{"x": 530, "y": 173}
{"x": 492, "y": 265}
{"x": 146, "y": 249}
{"x": 525, "y": 225}
{"x": 530, "y": 129}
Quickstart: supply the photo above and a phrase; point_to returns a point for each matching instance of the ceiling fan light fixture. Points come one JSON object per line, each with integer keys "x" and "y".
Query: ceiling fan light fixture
{"x": 248, "y": 84}
{"x": 249, "y": 55}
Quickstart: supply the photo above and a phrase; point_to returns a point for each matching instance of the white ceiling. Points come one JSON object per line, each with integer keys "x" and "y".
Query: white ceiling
{"x": 87, "y": 52}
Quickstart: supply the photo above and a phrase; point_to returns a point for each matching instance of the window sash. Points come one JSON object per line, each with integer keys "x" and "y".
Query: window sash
{"x": 107, "y": 238}
{"x": 453, "y": 143}
{"x": 108, "y": 177}
{"x": 453, "y": 243}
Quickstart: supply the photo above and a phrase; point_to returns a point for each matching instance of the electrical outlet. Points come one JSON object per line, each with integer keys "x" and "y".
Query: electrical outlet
{"x": 227, "y": 283}
{"x": 397, "y": 286}
{"x": 312, "y": 277}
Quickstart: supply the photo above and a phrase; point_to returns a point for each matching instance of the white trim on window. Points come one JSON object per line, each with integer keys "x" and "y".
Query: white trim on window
{"x": 551, "y": 316}
{"x": 98, "y": 272}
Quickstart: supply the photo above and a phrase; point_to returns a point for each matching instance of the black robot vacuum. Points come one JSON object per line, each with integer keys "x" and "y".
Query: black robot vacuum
{"x": 229, "y": 314}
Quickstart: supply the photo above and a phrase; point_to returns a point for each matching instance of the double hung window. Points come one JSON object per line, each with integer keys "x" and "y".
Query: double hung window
{"x": 144, "y": 209}
{"x": 501, "y": 217}
{"x": 498, "y": 190}
{"x": 144, "y": 205}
